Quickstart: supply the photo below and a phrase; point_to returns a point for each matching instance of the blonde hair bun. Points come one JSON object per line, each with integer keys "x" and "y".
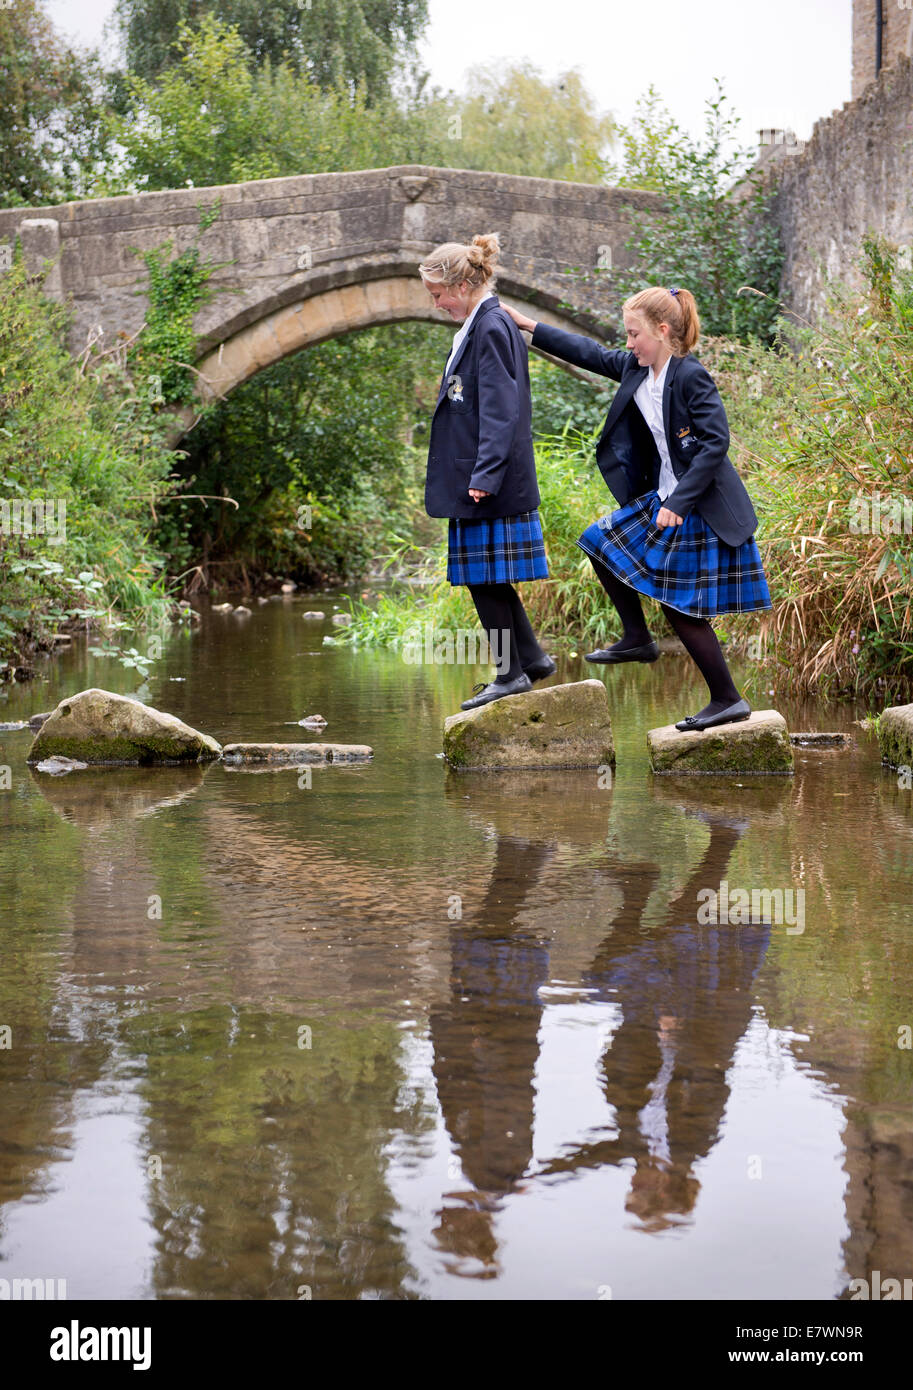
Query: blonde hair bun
{"x": 453, "y": 262}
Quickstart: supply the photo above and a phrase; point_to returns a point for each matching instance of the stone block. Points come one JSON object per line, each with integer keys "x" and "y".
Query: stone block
{"x": 296, "y": 752}
{"x": 563, "y": 726}
{"x": 98, "y": 726}
{"x": 758, "y": 744}
{"x": 895, "y": 735}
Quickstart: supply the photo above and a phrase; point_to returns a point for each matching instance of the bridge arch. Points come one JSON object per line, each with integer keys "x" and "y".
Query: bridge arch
{"x": 397, "y": 297}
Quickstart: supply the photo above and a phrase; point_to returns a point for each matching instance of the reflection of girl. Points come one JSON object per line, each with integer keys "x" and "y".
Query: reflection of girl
{"x": 481, "y": 471}
{"x": 683, "y": 533}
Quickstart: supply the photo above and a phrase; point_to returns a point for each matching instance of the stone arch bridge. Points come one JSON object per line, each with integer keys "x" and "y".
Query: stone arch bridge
{"x": 318, "y": 255}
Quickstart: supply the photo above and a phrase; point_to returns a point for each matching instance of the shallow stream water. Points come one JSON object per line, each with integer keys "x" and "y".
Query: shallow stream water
{"x": 389, "y": 1031}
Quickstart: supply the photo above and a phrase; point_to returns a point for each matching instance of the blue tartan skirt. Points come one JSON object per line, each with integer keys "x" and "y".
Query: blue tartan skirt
{"x": 687, "y": 567}
{"x": 496, "y": 550}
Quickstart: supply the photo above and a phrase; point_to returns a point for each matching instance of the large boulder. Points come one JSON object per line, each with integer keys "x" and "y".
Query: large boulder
{"x": 97, "y": 726}
{"x": 895, "y": 735}
{"x": 563, "y": 726}
{"x": 759, "y": 743}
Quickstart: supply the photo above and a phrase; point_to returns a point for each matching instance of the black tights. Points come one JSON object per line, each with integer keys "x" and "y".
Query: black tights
{"x": 695, "y": 634}
{"x": 511, "y": 637}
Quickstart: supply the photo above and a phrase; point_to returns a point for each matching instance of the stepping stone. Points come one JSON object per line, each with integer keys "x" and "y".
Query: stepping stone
{"x": 563, "y": 726}
{"x": 296, "y": 752}
{"x": 895, "y": 735}
{"x": 815, "y": 738}
{"x": 98, "y": 726}
{"x": 758, "y": 744}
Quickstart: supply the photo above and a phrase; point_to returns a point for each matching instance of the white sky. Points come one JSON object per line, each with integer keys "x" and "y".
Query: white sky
{"x": 784, "y": 62}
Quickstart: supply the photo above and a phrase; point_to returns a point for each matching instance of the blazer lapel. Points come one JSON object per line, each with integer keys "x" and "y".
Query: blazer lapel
{"x": 623, "y": 395}
{"x": 449, "y": 372}
{"x": 667, "y": 393}
{"x": 444, "y": 375}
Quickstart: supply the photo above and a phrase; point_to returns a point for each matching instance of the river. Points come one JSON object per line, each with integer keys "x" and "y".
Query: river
{"x": 388, "y": 1031}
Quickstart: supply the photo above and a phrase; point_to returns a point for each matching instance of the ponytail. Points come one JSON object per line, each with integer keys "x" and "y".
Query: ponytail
{"x": 673, "y": 306}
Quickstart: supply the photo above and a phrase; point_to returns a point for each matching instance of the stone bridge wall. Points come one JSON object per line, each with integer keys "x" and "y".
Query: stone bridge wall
{"x": 320, "y": 254}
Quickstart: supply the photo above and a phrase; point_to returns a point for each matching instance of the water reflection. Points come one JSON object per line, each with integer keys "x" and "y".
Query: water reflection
{"x": 685, "y": 994}
{"x": 486, "y": 1045}
{"x": 684, "y": 990}
{"x": 500, "y": 1102}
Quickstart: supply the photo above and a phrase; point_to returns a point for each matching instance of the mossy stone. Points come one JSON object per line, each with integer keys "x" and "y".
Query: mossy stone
{"x": 562, "y": 726}
{"x": 895, "y": 735}
{"x": 98, "y": 726}
{"x": 759, "y": 744}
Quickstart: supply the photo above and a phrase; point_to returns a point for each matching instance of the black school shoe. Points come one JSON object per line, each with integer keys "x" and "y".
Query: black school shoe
{"x": 484, "y": 694}
{"x": 731, "y": 715}
{"x": 649, "y": 652}
{"x": 540, "y": 670}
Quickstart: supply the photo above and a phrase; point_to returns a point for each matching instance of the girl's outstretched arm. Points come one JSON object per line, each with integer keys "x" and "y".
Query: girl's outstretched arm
{"x": 571, "y": 347}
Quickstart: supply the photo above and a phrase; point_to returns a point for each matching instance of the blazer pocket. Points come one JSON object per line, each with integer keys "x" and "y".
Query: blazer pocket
{"x": 463, "y": 470}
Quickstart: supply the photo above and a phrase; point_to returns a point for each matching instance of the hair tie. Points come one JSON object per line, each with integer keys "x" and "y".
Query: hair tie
{"x": 675, "y": 291}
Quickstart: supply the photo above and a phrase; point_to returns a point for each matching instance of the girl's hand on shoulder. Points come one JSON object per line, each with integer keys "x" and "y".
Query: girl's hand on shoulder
{"x": 477, "y": 494}
{"x": 523, "y": 323}
{"x": 666, "y": 518}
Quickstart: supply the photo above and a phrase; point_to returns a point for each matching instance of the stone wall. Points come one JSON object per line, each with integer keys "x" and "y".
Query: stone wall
{"x": 322, "y": 237}
{"x": 854, "y": 175}
{"x": 896, "y": 37}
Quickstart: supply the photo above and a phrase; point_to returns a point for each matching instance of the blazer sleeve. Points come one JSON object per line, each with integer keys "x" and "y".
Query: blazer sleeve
{"x": 580, "y": 351}
{"x": 711, "y": 428}
{"x": 499, "y": 407}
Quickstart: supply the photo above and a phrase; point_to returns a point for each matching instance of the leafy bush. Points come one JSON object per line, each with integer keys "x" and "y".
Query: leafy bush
{"x": 823, "y": 434}
{"x": 87, "y": 441}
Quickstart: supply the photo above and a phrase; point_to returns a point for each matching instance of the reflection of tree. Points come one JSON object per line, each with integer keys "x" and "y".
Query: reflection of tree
{"x": 273, "y": 1157}
{"x": 485, "y": 1048}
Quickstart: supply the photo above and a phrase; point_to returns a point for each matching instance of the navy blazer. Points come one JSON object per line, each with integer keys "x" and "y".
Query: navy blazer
{"x": 697, "y": 434}
{"x": 481, "y": 430}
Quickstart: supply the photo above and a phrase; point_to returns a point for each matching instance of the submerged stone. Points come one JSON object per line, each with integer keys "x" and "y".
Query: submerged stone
{"x": 59, "y": 767}
{"x": 296, "y": 752}
{"x": 818, "y": 738}
{"x": 895, "y": 735}
{"x": 563, "y": 726}
{"x": 97, "y": 726}
{"x": 758, "y": 744}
